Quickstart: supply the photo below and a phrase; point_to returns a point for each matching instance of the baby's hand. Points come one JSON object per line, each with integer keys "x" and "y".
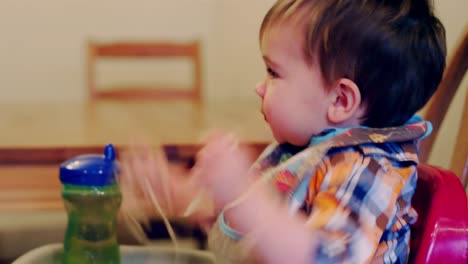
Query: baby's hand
{"x": 148, "y": 178}
{"x": 145, "y": 177}
{"x": 222, "y": 167}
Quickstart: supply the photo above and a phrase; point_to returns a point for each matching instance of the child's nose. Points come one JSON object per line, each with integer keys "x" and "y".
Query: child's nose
{"x": 260, "y": 89}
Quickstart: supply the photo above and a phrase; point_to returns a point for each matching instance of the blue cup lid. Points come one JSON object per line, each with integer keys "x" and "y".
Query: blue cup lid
{"x": 91, "y": 169}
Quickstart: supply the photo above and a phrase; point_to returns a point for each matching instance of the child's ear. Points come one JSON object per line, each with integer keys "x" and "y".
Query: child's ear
{"x": 346, "y": 99}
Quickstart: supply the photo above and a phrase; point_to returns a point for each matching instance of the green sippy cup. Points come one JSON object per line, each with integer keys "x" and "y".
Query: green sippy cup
{"x": 92, "y": 199}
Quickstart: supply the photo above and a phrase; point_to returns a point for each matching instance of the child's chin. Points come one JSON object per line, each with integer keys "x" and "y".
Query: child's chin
{"x": 279, "y": 139}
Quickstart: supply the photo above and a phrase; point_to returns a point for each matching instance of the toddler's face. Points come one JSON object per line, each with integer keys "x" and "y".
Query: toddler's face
{"x": 294, "y": 97}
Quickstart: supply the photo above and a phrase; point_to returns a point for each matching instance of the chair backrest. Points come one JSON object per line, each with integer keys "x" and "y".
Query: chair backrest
{"x": 440, "y": 234}
{"x": 438, "y": 106}
{"x": 190, "y": 50}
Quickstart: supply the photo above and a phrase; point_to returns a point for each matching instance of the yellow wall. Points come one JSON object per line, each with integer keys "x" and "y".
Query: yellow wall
{"x": 453, "y": 14}
{"x": 42, "y": 46}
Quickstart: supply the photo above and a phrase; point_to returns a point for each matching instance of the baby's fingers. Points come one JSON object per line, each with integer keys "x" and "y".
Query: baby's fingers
{"x": 217, "y": 148}
{"x": 146, "y": 175}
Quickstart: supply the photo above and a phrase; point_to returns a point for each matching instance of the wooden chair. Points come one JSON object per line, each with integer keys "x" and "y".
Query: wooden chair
{"x": 439, "y": 104}
{"x": 144, "y": 50}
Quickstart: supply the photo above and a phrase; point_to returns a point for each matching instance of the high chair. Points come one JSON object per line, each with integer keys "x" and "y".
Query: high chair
{"x": 142, "y": 50}
{"x": 440, "y": 234}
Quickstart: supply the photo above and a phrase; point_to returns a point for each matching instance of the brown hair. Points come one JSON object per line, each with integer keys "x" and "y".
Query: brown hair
{"x": 394, "y": 50}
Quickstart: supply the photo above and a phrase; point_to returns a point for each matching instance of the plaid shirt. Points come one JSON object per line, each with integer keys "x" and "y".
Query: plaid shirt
{"x": 360, "y": 199}
{"x": 356, "y": 187}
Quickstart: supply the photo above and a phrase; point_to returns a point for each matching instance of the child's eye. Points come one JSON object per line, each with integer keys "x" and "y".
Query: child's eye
{"x": 272, "y": 73}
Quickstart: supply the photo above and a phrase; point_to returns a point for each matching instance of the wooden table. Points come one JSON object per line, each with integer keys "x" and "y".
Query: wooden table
{"x": 36, "y": 138}
{"x": 89, "y": 124}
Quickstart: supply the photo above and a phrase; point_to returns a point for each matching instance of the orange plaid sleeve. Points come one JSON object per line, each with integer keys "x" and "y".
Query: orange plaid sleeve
{"x": 362, "y": 206}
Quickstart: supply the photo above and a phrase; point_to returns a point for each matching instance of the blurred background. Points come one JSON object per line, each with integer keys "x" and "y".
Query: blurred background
{"x": 43, "y": 53}
{"x": 43, "y": 47}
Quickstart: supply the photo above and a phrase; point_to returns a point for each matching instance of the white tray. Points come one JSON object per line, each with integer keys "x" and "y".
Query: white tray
{"x": 50, "y": 254}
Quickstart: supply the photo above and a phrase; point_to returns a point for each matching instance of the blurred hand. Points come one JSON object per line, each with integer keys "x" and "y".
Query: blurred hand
{"x": 222, "y": 168}
{"x": 148, "y": 178}
{"x": 145, "y": 177}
